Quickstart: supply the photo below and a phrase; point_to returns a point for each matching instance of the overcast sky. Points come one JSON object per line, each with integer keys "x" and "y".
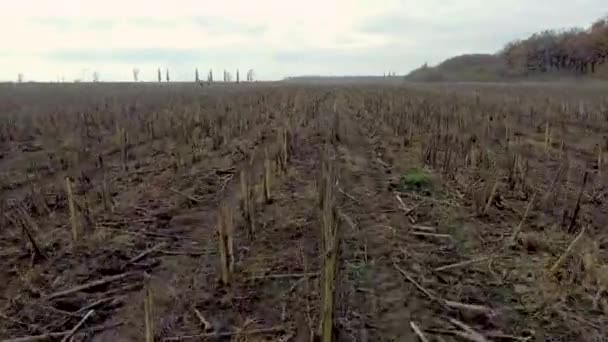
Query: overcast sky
{"x": 45, "y": 40}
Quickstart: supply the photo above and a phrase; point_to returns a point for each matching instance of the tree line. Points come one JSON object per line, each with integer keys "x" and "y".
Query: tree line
{"x": 575, "y": 50}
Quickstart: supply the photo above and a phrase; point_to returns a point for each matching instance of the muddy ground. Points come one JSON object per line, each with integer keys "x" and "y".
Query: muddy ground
{"x": 466, "y": 212}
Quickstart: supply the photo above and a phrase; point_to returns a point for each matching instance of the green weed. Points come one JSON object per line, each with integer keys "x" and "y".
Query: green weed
{"x": 415, "y": 179}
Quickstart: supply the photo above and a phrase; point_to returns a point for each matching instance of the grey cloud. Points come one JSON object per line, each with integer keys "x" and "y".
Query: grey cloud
{"x": 470, "y": 26}
{"x": 454, "y": 34}
{"x": 476, "y": 25}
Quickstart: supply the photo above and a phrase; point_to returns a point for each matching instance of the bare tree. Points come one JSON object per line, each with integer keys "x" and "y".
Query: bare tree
{"x": 167, "y": 78}
{"x": 250, "y": 75}
{"x": 136, "y": 74}
{"x": 196, "y": 78}
{"x": 160, "y": 77}
{"x": 576, "y": 50}
{"x": 238, "y": 77}
{"x": 210, "y": 76}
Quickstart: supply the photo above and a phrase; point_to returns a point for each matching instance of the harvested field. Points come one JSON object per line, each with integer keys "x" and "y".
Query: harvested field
{"x": 293, "y": 212}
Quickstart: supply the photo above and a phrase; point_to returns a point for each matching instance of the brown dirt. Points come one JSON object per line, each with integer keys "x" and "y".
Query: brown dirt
{"x": 440, "y": 149}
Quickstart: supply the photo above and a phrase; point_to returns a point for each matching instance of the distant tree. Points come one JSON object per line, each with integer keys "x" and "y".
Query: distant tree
{"x": 136, "y": 74}
{"x": 95, "y": 76}
{"x": 167, "y": 78}
{"x": 574, "y": 50}
{"x": 20, "y": 78}
{"x": 196, "y": 78}
{"x": 250, "y": 75}
{"x": 210, "y": 76}
{"x": 599, "y": 42}
{"x": 238, "y": 77}
{"x": 160, "y": 77}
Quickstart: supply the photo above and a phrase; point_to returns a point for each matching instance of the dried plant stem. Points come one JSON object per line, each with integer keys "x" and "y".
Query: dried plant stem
{"x": 244, "y": 194}
{"x": 146, "y": 252}
{"x": 552, "y": 186}
{"x": 225, "y": 334}
{"x": 349, "y": 195}
{"x": 16, "y": 321}
{"x": 523, "y": 219}
{"x": 47, "y": 336}
{"x": 105, "y": 193}
{"x": 309, "y": 320}
{"x": 37, "y": 251}
{"x": 547, "y": 136}
{"x": 69, "y": 335}
{"x": 148, "y": 313}
{"x": 442, "y": 236}
{"x": 89, "y": 285}
{"x": 285, "y": 276}
{"x": 191, "y": 198}
{"x": 204, "y": 322}
{"x": 226, "y": 244}
{"x": 491, "y": 197}
{"x": 267, "y": 176}
{"x": 468, "y": 332}
{"x": 2, "y": 214}
{"x": 418, "y": 286}
{"x": 418, "y": 332}
{"x": 284, "y": 150}
{"x": 330, "y": 244}
{"x": 577, "y": 207}
{"x": 247, "y": 203}
{"x": 468, "y": 307}
{"x": 72, "y": 208}
{"x": 562, "y": 259}
{"x": 599, "y": 161}
{"x": 123, "y": 148}
{"x": 460, "y": 264}
{"x": 251, "y": 211}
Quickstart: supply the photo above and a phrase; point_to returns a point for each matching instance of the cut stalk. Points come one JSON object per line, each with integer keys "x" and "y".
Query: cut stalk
{"x": 105, "y": 193}
{"x": 547, "y": 136}
{"x": 72, "y": 208}
{"x": 226, "y": 244}
{"x": 523, "y": 219}
{"x": 562, "y": 259}
{"x": 491, "y": 197}
{"x": 577, "y": 207}
{"x": 330, "y": 244}
{"x": 267, "y": 176}
{"x": 148, "y": 308}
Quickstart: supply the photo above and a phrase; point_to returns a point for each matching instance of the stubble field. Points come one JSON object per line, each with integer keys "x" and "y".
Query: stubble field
{"x": 294, "y": 212}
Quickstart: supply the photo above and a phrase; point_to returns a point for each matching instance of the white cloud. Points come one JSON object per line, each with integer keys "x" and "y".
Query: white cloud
{"x": 46, "y": 39}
